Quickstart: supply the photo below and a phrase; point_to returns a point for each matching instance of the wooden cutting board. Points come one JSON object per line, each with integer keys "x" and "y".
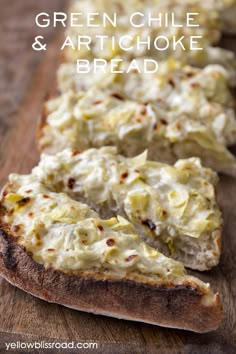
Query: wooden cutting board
{"x": 26, "y": 77}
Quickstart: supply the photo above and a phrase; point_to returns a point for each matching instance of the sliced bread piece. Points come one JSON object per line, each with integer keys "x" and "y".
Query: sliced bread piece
{"x": 61, "y": 251}
{"x": 207, "y": 30}
{"x": 96, "y": 118}
{"x": 173, "y": 208}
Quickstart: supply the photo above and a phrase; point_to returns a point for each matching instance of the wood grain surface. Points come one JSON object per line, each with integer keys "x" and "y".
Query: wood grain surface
{"x": 26, "y": 77}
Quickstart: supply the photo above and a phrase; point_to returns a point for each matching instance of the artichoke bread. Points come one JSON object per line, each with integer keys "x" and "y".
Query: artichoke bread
{"x": 185, "y": 123}
{"x": 61, "y": 251}
{"x": 173, "y": 208}
{"x": 211, "y": 85}
{"x": 208, "y": 33}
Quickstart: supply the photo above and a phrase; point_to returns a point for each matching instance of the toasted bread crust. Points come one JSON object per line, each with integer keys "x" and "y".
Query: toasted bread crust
{"x": 160, "y": 304}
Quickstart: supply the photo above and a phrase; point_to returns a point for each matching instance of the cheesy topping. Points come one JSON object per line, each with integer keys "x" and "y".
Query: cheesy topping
{"x": 68, "y": 235}
{"x": 181, "y": 90}
{"x": 169, "y": 201}
{"x": 184, "y": 124}
{"x": 209, "y": 31}
{"x": 172, "y": 78}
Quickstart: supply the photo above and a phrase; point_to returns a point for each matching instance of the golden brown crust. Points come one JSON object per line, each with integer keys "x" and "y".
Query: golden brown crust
{"x": 100, "y": 293}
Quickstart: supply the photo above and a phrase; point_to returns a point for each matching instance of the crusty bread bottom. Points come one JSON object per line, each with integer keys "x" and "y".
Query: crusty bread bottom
{"x": 186, "y": 306}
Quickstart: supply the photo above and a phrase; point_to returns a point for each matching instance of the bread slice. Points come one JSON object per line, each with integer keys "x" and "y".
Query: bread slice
{"x": 61, "y": 251}
{"x": 173, "y": 208}
{"x": 208, "y": 32}
{"x": 174, "y": 83}
{"x": 96, "y": 118}
{"x": 209, "y": 29}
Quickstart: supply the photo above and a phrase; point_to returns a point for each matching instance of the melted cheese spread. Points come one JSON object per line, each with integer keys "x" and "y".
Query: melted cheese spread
{"x": 168, "y": 127}
{"x": 68, "y": 235}
{"x": 208, "y": 32}
{"x": 168, "y": 200}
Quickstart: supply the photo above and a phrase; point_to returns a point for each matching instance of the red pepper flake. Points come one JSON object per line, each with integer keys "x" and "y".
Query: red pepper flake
{"x": 46, "y": 196}
{"x": 110, "y": 242}
{"x": 163, "y": 121}
{"x": 23, "y": 201}
{"x": 75, "y": 152}
{"x": 5, "y": 192}
{"x": 131, "y": 258}
{"x": 190, "y": 74}
{"x": 155, "y": 126}
{"x": 139, "y": 120}
{"x": 29, "y": 191}
{"x": 100, "y": 227}
{"x": 71, "y": 183}
{"x": 149, "y": 223}
{"x": 171, "y": 82}
{"x": 125, "y": 175}
{"x": 97, "y": 102}
{"x": 164, "y": 213}
{"x": 117, "y": 96}
{"x": 31, "y": 214}
{"x": 16, "y": 228}
{"x": 50, "y": 250}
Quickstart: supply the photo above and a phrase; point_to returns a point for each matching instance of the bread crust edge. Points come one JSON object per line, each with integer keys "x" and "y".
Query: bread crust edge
{"x": 163, "y": 304}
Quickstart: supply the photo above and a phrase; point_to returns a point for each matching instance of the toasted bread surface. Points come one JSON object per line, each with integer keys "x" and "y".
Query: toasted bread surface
{"x": 186, "y": 306}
